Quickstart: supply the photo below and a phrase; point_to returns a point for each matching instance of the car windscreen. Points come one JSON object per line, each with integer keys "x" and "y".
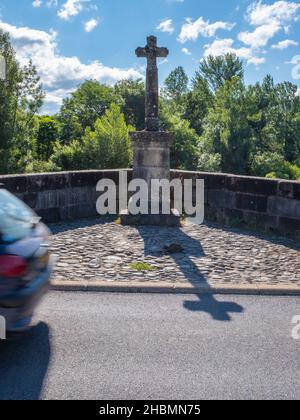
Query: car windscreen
{"x": 16, "y": 219}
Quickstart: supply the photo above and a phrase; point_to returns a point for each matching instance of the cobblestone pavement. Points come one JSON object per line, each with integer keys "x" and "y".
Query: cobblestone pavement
{"x": 93, "y": 250}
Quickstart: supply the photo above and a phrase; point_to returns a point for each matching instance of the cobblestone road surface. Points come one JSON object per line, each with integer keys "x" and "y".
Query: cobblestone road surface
{"x": 93, "y": 250}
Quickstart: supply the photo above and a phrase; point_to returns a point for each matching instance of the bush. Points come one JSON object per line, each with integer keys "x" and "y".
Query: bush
{"x": 273, "y": 165}
{"x": 210, "y": 162}
{"x": 107, "y": 147}
{"x": 185, "y": 149}
{"x": 70, "y": 157}
{"x": 295, "y": 172}
{"x": 38, "y": 166}
{"x": 268, "y": 163}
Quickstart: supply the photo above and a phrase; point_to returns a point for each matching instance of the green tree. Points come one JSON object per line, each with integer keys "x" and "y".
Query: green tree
{"x": 30, "y": 101}
{"x": 286, "y": 118}
{"x": 273, "y": 165}
{"x": 227, "y": 131}
{"x": 8, "y": 100}
{"x": 47, "y": 136}
{"x": 31, "y": 94}
{"x": 88, "y": 103}
{"x": 185, "y": 149}
{"x": 40, "y": 166}
{"x": 197, "y": 104}
{"x": 218, "y": 70}
{"x": 131, "y": 95}
{"x": 107, "y": 146}
{"x": 209, "y": 162}
{"x": 176, "y": 84}
{"x": 274, "y": 117}
{"x": 21, "y": 96}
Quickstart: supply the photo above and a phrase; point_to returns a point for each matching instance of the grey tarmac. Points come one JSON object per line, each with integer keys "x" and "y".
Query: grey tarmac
{"x": 155, "y": 346}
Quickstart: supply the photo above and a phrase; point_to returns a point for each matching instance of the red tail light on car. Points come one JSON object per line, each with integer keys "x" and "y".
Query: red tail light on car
{"x": 12, "y": 266}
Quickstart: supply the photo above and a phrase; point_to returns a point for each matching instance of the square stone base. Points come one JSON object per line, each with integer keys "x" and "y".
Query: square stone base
{"x": 171, "y": 220}
{"x": 151, "y": 155}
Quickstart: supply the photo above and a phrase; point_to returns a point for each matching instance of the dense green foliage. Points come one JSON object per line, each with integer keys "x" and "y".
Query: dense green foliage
{"x": 131, "y": 97}
{"x": 21, "y": 97}
{"x": 219, "y": 123}
{"x": 218, "y": 70}
{"x": 106, "y": 146}
{"x": 176, "y": 85}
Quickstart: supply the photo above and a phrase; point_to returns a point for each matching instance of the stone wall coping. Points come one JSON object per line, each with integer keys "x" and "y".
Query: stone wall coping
{"x": 107, "y": 171}
{"x": 228, "y": 175}
{"x": 62, "y": 173}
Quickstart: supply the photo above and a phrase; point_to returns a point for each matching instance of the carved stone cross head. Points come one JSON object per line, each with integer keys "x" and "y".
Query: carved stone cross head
{"x": 151, "y": 51}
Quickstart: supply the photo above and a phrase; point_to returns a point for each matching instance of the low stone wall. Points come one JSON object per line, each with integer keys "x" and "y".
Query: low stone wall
{"x": 59, "y": 196}
{"x": 255, "y": 203}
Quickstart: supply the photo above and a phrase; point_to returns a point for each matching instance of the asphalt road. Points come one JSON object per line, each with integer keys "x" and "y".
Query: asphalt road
{"x": 114, "y": 346}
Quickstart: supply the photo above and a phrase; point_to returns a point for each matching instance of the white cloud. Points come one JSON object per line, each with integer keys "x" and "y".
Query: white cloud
{"x": 37, "y": 3}
{"x": 219, "y": 47}
{"x": 49, "y": 3}
{"x": 90, "y": 25}
{"x": 257, "y": 61}
{"x": 186, "y": 51}
{"x": 269, "y": 19}
{"x": 260, "y": 36}
{"x": 282, "y": 45}
{"x": 166, "y": 25}
{"x": 163, "y": 61}
{"x": 70, "y": 9}
{"x": 281, "y": 11}
{"x": 60, "y": 74}
{"x": 52, "y": 3}
{"x": 191, "y": 30}
{"x": 223, "y": 46}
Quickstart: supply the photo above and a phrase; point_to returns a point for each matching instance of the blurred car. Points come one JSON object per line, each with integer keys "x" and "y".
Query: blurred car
{"x": 25, "y": 261}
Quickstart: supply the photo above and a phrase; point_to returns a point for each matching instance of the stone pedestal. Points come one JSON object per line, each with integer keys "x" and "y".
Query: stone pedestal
{"x": 151, "y": 155}
{"x": 151, "y": 161}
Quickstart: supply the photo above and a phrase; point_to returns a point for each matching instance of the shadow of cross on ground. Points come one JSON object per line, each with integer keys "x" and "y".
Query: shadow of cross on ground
{"x": 207, "y": 302}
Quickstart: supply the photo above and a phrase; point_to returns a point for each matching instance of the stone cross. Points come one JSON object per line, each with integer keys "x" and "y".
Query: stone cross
{"x": 152, "y": 52}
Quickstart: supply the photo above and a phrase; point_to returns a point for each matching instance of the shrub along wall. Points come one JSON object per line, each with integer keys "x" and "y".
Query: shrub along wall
{"x": 255, "y": 203}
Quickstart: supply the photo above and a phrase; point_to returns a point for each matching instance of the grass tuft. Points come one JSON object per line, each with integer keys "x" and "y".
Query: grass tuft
{"x": 140, "y": 266}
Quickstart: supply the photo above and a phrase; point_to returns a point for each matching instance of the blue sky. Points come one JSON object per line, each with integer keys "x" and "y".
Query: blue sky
{"x": 71, "y": 40}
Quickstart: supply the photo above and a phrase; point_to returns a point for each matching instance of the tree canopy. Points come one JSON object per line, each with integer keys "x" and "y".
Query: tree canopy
{"x": 218, "y": 70}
